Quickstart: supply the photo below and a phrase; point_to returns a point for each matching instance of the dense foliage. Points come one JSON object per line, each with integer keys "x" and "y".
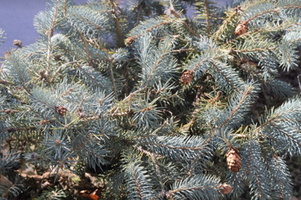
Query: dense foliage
{"x": 136, "y": 101}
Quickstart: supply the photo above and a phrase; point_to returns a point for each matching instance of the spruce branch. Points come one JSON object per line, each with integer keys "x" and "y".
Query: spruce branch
{"x": 26, "y": 88}
{"x": 262, "y": 13}
{"x": 112, "y": 77}
{"x": 286, "y": 134}
{"x": 137, "y": 179}
{"x": 153, "y": 158}
{"x": 173, "y": 11}
{"x": 4, "y": 82}
{"x": 221, "y": 29}
{"x": 224, "y": 76}
{"x": 59, "y": 68}
{"x": 246, "y": 34}
{"x": 196, "y": 159}
{"x": 50, "y": 34}
{"x": 286, "y": 129}
{"x": 139, "y": 14}
{"x": 183, "y": 50}
{"x": 86, "y": 46}
{"x": 280, "y": 170}
{"x": 146, "y": 27}
{"x": 12, "y": 188}
{"x": 207, "y": 17}
{"x": 187, "y": 121}
{"x": 269, "y": 166}
{"x": 243, "y": 101}
{"x": 95, "y": 44}
{"x": 249, "y": 50}
{"x": 1, "y": 68}
{"x": 196, "y": 187}
{"x": 166, "y": 52}
{"x": 9, "y": 111}
{"x": 78, "y": 65}
{"x": 259, "y": 182}
{"x": 125, "y": 76}
{"x": 195, "y": 112}
{"x": 118, "y": 30}
{"x": 44, "y": 76}
{"x": 129, "y": 97}
{"x": 178, "y": 147}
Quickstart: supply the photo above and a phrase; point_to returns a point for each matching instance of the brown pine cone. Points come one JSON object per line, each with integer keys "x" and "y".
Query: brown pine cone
{"x": 241, "y": 28}
{"x": 225, "y": 189}
{"x": 60, "y": 110}
{"x": 234, "y": 159}
{"x": 18, "y": 43}
{"x": 186, "y": 77}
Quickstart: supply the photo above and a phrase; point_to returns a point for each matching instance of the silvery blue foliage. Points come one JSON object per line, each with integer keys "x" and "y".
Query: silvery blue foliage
{"x": 122, "y": 110}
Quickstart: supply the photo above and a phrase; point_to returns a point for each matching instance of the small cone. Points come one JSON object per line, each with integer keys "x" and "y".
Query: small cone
{"x": 61, "y": 110}
{"x": 186, "y": 77}
{"x": 233, "y": 160}
{"x": 241, "y": 28}
{"x": 226, "y": 189}
{"x": 18, "y": 43}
